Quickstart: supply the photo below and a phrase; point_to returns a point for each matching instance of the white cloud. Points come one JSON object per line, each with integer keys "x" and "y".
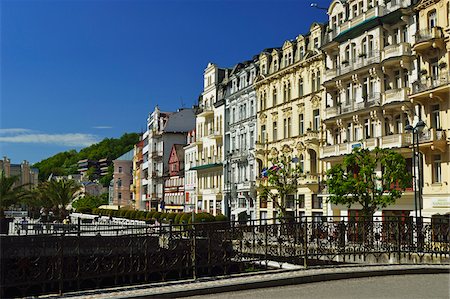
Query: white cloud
{"x": 14, "y": 131}
{"x": 72, "y": 139}
{"x": 102, "y": 127}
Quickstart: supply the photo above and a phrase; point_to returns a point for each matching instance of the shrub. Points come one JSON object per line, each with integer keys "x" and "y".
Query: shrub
{"x": 95, "y": 211}
{"x": 171, "y": 217}
{"x": 84, "y": 210}
{"x": 163, "y": 217}
{"x": 178, "y": 218}
{"x": 157, "y": 215}
{"x": 186, "y": 218}
{"x": 150, "y": 214}
{"x": 221, "y": 218}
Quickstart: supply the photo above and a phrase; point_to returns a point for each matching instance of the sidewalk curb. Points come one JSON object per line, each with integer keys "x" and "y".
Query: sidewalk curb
{"x": 293, "y": 281}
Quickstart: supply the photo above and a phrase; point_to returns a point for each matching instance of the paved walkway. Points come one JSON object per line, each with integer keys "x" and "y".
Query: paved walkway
{"x": 253, "y": 281}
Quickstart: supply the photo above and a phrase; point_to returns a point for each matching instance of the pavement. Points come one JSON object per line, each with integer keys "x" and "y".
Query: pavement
{"x": 256, "y": 280}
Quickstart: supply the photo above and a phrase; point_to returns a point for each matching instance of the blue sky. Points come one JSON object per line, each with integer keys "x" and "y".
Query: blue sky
{"x": 75, "y": 72}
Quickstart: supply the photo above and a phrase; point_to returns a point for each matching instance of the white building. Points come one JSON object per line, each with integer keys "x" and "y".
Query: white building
{"x": 209, "y": 141}
{"x": 369, "y": 70}
{"x": 164, "y": 129}
{"x": 240, "y": 139}
{"x": 190, "y": 176}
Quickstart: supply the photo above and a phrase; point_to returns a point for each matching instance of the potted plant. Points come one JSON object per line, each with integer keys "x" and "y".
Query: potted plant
{"x": 423, "y": 71}
{"x": 442, "y": 65}
{"x": 362, "y": 55}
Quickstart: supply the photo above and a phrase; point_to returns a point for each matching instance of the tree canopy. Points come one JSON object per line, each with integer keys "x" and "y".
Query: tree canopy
{"x": 282, "y": 180}
{"x": 372, "y": 179}
{"x": 65, "y": 163}
{"x": 10, "y": 192}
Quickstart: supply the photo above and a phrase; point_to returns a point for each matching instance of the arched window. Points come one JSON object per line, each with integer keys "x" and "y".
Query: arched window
{"x": 300, "y": 87}
{"x": 313, "y": 161}
{"x": 289, "y": 91}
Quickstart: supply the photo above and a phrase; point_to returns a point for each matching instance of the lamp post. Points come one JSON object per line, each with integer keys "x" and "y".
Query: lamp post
{"x": 315, "y": 5}
{"x": 415, "y": 130}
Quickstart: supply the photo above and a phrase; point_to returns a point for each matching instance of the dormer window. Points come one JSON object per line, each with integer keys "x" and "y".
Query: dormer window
{"x": 316, "y": 43}
{"x": 355, "y": 10}
{"x": 275, "y": 65}
{"x": 289, "y": 57}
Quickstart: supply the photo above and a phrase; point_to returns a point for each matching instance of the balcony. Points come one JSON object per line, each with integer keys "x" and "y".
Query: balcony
{"x": 394, "y": 55}
{"x": 215, "y": 134}
{"x": 157, "y": 155}
{"x": 433, "y": 139}
{"x": 396, "y": 140}
{"x": 330, "y": 74}
{"x": 339, "y": 149}
{"x": 396, "y": 95}
{"x": 331, "y": 112}
{"x": 206, "y": 111}
{"x": 156, "y": 174}
{"x": 439, "y": 86}
{"x": 360, "y": 62}
{"x": 429, "y": 38}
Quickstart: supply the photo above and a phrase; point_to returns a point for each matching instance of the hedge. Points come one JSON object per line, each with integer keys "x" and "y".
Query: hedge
{"x": 151, "y": 216}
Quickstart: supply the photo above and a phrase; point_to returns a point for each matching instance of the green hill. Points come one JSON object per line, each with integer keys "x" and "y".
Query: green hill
{"x": 65, "y": 163}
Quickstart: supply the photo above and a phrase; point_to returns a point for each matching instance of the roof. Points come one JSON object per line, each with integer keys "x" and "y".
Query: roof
{"x": 181, "y": 121}
{"x": 128, "y": 156}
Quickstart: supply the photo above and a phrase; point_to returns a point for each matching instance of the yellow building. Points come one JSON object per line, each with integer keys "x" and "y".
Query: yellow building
{"x": 290, "y": 99}
{"x": 431, "y": 98}
{"x": 136, "y": 187}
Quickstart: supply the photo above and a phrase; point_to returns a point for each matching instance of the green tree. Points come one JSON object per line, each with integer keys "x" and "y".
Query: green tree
{"x": 56, "y": 195}
{"x": 372, "y": 179}
{"x": 282, "y": 180}
{"x": 90, "y": 201}
{"x": 11, "y": 193}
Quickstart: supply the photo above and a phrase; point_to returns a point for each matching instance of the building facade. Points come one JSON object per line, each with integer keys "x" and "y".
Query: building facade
{"x": 26, "y": 174}
{"x": 290, "y": 101}
{"x": 240, "y": 140}
{"x": 369, "y": 70}
{"x": 430, "y": 96}
{"x": 190, "y": 174}
{"x": 136, "y": 187}
{"x": 209, "y": 141}
{"x": 174, "y": 198}
{"x": 164, "y": 129}
{"x": 122, "y": 196}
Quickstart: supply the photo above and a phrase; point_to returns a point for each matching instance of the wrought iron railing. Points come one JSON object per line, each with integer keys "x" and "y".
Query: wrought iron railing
{"x": 65, "y": 257}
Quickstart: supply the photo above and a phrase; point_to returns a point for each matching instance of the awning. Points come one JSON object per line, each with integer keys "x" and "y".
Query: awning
{"x": 206, "y": 166}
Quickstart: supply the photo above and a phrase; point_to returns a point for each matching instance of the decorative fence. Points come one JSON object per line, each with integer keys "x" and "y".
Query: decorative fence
{"x": 58, "y": 258}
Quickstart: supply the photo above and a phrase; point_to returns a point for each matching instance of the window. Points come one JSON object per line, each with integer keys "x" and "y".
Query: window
{"x": 274, "y": 131}
{"x": 316, "y": 43}
{"x": 404, "y": 30}
{"x": 275, "y": 65}
{"x": 405, "y": 78}
{"x": 119, "y": 195}
{"x": 285, "y": 129}
{"x": 302, "y": 163}
{"x": 432, "y": 19}
{"x": 301, "y": 127}
{"x": 355, "y": 10}
{"x": 349, "y": 132}
{"x": 252, "y": 108}
{"x": 263, "y": 134}
{"x": 313, "y": 82}
{"x": 301, "y": 200}
{"x": 366, "y": 129}
{"x": 284, "y": 92}
{"x": 347, "y": 94}
{"x": 316, "y": 202}
{"x": 437, "y": 171}
{"x": 316, "y": 123}
{"x": 289, "y": 127}
{"x": 289, "y": 91}
{"x": 434, "y": 70}
{"x": 120, "y": 169}
{"x": 318, "y": 81}
{"x": 397, "y": 82}
{"x": 300, "y": 87}
{"x": 274, "y": 97}
{"x": 435, "y": 117}
{"x": 252, "y": 139}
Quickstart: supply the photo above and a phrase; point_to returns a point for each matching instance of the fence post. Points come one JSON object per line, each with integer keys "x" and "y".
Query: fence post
{"x": 399, "y": 241}
{"x": 61, "y": 265}
{"x": 267, "y": 243}
{"x": 193, "y": 253}
{"x": 305, "y": 244}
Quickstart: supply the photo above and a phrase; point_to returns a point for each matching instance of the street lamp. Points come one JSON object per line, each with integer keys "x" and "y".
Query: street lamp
{"x": 315, "y": 5}
{"x": 416, "y": 130}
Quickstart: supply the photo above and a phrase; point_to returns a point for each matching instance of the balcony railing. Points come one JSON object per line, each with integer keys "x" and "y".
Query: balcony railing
{"x": 428, "y": 34}
{"x": 396, "y": 50}
{"x": 395, "y": 140}
{"x": 396, "y": 95}
{"x": 361, "y": 61}
{"x": 433, "y": 135}
{"x": 431, "y": 83}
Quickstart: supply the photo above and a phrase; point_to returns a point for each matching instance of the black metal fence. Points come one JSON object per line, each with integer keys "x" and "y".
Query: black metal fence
{"x": 64, "y": 257}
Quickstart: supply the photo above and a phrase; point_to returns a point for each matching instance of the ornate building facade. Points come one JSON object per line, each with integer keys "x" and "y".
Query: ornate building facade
{"x": 430, "y": 96}
{"x": 240, "y": 140}
{"x": 290, "y": 100}
{"x": 370, "y": 68}
{"x": 209, "y": 142}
